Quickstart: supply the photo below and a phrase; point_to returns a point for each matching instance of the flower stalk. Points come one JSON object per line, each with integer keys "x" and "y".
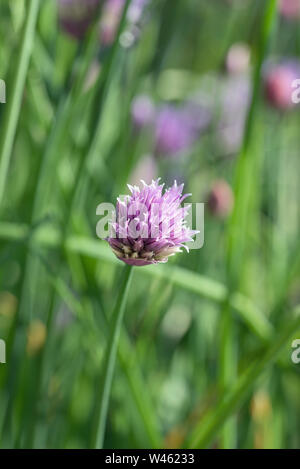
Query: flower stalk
{"x": 98, "y": 431}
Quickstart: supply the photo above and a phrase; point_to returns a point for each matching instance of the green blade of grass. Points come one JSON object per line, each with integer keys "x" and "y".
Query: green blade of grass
{"x": 246, "y": 179}
{"x": 9, "y": 126}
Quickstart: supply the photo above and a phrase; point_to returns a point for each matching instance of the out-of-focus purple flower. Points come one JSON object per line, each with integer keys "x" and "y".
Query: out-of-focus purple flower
{"x": 150, "y": 225}
{"x": 234, "y": 104}
{"x": 75, "y": 16}
{"x": 197, "y": 114}
{"x": 290, "y": 9}
{"x": 238, "y": 58}
{"x": 177, "y": 129}
{"x": 173, "y": 133}
{"x": 112, "y": 13}
{"x": 220, "y": 199}
{"x": 278, "y": 84}
{"x": 142, "y": 111}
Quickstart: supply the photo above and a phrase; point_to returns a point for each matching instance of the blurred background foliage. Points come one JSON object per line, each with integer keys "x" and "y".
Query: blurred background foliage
{"x": 193, "y": 90}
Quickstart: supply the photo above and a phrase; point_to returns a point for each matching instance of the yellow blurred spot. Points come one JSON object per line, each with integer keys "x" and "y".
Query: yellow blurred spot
{"x": 260, "y": 406}
{"x": 174, "y": 438}
{"x": 8, "y": 304}
{"x": 36, "y": 337}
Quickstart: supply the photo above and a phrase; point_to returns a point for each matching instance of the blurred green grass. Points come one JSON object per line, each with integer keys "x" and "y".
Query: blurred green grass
{"x": 208, "y": 336}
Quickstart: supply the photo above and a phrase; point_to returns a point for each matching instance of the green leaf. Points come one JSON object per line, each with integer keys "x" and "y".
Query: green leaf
{"x": 9, "y": 126}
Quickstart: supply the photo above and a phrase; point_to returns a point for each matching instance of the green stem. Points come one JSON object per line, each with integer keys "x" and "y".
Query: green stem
{"x": 9, "y": 126}
{"x": 246, "y": 178}
{"x": 102, "y": 403}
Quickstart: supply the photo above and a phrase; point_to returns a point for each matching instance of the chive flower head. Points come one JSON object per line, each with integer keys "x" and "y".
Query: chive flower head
{"x": 150, "y": 224}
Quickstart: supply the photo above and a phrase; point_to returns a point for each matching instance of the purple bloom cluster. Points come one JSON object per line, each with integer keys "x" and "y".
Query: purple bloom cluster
{"x": 176, "y": 129}
{"x": 150, "y": 225}
{"x": 75, "y": 16}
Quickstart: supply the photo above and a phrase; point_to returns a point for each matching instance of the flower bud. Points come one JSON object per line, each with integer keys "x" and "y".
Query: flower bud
{"x": 220, "y": 199}
{"x": 278, "y": 84}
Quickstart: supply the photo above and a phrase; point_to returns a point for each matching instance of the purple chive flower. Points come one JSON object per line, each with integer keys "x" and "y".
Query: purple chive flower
{"x": 142, "y": 111}
{"x": 197, "y": 114}
{"x": 278, "y": 83}
{"x": 150, "y": 225}
{"x": 290, "y": 9}
{"x": 76, "y": 16}
{"x": 172, "y": 135}
{"x": 177, "y": 129}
